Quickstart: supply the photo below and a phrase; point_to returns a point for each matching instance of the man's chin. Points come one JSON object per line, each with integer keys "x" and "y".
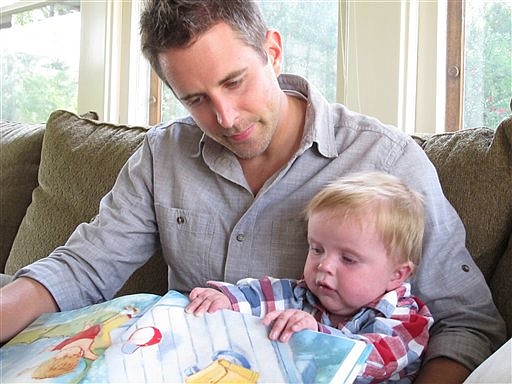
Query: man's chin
{"x": 246, "y": 153}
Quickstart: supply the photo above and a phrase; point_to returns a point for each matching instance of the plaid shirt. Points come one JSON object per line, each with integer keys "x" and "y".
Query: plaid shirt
{"x": 396, "y": 324}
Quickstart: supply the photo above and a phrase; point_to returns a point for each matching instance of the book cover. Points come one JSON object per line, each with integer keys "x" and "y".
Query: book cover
{"x": 150, "y": 339}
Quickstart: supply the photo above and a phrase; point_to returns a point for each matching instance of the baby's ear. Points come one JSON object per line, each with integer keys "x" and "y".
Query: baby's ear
{"x": 400, "y": 274}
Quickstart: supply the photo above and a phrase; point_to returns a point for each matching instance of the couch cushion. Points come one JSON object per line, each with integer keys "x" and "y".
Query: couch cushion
{"x": 80, "y": 160}
{"x": 475, "y": 168}
{"x": 20, "y": 152}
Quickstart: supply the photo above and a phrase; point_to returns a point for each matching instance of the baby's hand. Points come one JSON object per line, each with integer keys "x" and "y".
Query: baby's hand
{"x": 206, "y": 300}
{"x": 287, "y": 322}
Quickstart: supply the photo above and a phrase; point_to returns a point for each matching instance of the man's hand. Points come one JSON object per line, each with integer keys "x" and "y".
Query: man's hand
{"x": 287, "y": 322}
{"x": 21, "y": 302}
{"x": 442, "y": 370}
{"x": 204, "y": 300}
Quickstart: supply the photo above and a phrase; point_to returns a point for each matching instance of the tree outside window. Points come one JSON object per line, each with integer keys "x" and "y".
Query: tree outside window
{"x": 487, "y": 63}
{"x": 39, "y": 51}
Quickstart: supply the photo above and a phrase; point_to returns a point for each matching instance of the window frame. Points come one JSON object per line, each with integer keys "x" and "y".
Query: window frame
{"x": 454, "y": 65}
{"x": 155, "y": 99}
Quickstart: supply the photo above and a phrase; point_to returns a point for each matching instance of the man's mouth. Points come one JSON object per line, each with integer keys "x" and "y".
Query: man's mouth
{"x": 244, "y": 135}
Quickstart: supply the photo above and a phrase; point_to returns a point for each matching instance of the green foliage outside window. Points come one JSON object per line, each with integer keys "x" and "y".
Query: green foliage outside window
{"x": 488, "y": 63}
{"x": 35, "y": 85}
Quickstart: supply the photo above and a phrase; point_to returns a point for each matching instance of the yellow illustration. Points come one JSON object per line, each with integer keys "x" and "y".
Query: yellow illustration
{"x": 223, "y": 371}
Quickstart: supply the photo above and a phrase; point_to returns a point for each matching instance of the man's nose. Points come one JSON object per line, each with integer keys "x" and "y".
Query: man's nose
{"x": 225, "y": 112}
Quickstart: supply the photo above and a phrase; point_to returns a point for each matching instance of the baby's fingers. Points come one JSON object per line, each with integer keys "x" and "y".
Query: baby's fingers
{"x": 204, "y": 300}
{"x": 287, "y": 323}
{"x": 271, "y": 316}
{"x": 197, "y": 306}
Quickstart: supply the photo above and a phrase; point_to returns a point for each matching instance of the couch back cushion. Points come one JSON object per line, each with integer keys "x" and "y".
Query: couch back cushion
{"x": 475, "y": 169}
{"x": 20, "y": 153}
{"x": 80, "y": 160}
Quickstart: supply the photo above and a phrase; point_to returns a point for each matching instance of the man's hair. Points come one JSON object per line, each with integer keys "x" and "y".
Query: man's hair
{"x": 168, "y": 24}
{"x": 398, "y": 210}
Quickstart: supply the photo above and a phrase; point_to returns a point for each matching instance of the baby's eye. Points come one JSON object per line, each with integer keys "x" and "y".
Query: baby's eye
{"x": 315, "y": 250}
{"x": 347, "y": 259}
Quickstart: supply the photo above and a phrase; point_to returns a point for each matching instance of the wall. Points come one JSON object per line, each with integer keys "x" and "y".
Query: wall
{"x": 389, "y": 62}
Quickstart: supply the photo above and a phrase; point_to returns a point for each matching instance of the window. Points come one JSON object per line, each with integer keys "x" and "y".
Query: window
{"x": 479, "y": 63}
{"x": 487, "y": 63}
{"x": 310, "y": 38}
{"x": 387, "y": 59}
{"x": 39, "y": 47}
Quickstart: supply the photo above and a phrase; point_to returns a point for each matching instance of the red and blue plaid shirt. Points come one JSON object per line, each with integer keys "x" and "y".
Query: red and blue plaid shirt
{"x": 396, "y": 324}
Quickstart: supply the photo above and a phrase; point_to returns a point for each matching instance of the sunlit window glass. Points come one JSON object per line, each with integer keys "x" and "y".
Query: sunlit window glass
{"x": 487, "y": 62}
{"x": 40, "y": 51}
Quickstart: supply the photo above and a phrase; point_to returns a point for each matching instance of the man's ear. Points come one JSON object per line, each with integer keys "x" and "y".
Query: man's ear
{"x": 274, "y": 48}
{"x": 400, "y": 274}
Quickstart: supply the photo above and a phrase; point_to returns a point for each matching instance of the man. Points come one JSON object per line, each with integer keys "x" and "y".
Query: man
{"x": 222, "y": 192}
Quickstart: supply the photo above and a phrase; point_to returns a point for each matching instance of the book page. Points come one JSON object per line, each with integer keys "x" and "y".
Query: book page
{"x": 223, "y": 344}
{"x": 150, "y": 339}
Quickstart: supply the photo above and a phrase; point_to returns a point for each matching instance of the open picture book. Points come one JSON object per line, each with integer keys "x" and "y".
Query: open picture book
{"x": 149, "y": 338}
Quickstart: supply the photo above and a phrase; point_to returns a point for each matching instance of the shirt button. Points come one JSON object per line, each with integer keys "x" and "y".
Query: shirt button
{"x": 180, "y": 219}
{"x": 465, "y": 267}
{"x": 240, "y": 237}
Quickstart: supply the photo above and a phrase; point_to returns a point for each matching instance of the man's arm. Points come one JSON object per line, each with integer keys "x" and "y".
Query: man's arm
{"x": 442, "y": 370}
{"x": 21, "y": 302}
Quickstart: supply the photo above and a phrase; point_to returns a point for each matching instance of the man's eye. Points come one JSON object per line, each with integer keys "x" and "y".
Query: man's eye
{"x": 234, "y": 83}
{"x": 193, "y": 101}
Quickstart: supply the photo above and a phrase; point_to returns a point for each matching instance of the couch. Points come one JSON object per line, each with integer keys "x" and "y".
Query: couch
{"x": 53, "y": 176}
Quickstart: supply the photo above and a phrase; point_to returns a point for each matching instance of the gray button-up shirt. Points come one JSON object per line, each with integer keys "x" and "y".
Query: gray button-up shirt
{"x": 187, "y": 193}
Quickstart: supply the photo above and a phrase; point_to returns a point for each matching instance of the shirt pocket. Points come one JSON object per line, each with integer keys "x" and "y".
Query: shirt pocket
{"x": 186, "y": 237}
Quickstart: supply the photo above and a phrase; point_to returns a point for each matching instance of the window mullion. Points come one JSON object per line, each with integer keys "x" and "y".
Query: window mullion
{"x": 454, "y": 65}
{"x": 155, "y": 99}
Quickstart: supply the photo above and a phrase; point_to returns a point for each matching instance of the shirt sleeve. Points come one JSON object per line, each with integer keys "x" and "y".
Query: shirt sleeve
{"x": 100, "y": 256}
{"x": 259, "y": 296}
{"x": 468, "y": 327}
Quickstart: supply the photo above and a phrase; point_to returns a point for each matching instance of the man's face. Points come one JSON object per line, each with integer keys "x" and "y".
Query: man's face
{"x": 230, "y": 91}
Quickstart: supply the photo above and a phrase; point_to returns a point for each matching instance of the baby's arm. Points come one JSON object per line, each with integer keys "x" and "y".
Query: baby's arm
{"x": 287, "y": 322}
{"x": 204, "y": 300}
{"x": 252, "y": 296}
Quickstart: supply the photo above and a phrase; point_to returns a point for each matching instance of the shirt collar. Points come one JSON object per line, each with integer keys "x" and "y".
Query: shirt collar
{"x": 319, "y": 125}
{"x": 386, "y": 304}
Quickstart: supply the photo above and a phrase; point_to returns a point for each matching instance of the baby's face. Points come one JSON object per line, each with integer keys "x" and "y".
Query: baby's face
{"x": 347, "y": 265}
